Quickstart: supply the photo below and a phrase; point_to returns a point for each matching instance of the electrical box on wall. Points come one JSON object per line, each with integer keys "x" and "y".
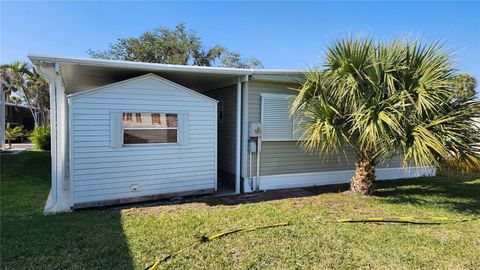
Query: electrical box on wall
{"x": 256, "y": 129}
{"x": 252, "y": 146}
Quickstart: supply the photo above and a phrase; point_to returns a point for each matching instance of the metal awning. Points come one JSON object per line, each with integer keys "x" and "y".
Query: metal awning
{"x": 81, "y": 74}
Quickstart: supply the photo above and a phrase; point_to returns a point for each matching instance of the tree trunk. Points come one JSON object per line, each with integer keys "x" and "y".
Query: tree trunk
{"x": 9, "y": 143}
{"x": 364, "y": 179}
{"x": 30, "y": 106}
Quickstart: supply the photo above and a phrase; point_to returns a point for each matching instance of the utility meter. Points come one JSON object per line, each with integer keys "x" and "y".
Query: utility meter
{"x": 256, "y": 129}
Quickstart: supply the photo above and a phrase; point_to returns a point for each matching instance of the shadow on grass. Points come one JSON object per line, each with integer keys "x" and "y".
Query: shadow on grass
{"x": 449, "y": 189}
{"x": 275, "y": 195}
{"x": 83, "y": 240}
{"x": 237, "y": 199}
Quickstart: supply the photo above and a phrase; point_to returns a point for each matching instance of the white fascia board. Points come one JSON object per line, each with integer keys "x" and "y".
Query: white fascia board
{"x": 278, "y": 72}
{"x": 36, "y": 58}
{"x": 137, "y": 65}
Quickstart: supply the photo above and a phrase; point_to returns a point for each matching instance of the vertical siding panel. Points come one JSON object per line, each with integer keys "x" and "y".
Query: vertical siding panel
{"x": 226, "y": 127}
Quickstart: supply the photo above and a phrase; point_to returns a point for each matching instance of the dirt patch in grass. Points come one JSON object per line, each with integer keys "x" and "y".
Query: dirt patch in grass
{"x": 298, "y": 198}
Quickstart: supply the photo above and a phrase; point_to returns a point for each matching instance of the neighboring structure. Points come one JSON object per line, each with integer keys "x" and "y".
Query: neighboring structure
{"x": 128, "y": 131}
{"x": 18, "y": 115}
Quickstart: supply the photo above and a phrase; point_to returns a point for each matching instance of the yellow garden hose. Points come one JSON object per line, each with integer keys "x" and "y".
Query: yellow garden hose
{"x": 402, "y": 220}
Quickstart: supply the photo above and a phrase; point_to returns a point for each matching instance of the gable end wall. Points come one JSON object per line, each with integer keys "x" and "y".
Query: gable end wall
{"x": 101, "y": 172}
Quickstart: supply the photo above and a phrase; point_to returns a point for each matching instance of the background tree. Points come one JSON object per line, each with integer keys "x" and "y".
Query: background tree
{"x": 24, "y": 85}
{"x": 172, "y": 46}
{"x": 232, "y": 59}
{"x": 39, "y": 92}
{"x": 383, "y": 100}
{"x": 15, "y": 75}
{"x": 464, "y": 84}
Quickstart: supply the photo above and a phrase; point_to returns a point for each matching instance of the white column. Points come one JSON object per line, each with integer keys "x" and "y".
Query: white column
{"x": 2, "y": 118}
{"x": 58, "y": 200}
{"x": 245, "y": 127}
{"x": 62, "y": 130}
{"x": 238, "y": 126}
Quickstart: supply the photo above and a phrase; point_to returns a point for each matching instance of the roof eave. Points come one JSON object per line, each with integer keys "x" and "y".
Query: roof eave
{"x": 36, "y": 58}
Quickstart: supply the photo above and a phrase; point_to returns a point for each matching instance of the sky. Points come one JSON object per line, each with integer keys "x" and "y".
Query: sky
{"x": 285, "y": 35}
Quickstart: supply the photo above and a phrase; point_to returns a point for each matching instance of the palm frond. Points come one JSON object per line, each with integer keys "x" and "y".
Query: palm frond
{"x": 390, "y": 98}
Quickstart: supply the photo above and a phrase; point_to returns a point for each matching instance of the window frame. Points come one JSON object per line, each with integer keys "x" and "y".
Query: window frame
{"x": 159, "y": 128}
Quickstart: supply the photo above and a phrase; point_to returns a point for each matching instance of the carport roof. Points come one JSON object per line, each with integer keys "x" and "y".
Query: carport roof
{"x": 81, "y": 74}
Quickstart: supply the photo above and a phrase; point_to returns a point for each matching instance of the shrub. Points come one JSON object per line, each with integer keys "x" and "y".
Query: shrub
{"x": 12, "y": 133}
{"x": 40, "y": 138}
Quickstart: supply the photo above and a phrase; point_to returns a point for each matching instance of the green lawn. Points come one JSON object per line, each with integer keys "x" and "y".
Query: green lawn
{"x": 134, "y": 237}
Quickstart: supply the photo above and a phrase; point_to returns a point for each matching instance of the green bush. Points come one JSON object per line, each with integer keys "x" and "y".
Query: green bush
{"x": 40, "y": 138}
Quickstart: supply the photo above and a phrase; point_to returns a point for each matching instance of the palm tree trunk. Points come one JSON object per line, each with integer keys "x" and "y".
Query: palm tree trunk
{"x": 9, "y": 143}
{"x": 30, "y": 106}
{"x": 364, "y": 179}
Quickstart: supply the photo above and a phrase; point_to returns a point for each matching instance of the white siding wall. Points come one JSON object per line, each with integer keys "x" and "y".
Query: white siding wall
{"x": 103, "y": 172}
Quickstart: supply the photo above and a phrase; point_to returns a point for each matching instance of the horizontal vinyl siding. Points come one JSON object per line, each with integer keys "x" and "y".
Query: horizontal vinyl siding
{"x": 101, "y": 172}
{"x": 254, "y": 98}
{"x": 226, "y": 127}
{"x": 287, "y": 157}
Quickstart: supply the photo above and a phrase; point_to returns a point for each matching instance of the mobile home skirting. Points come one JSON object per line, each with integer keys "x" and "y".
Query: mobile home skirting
{"x": 300, "y": 180}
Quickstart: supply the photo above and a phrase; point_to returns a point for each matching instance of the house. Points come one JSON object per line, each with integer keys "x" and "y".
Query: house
{"x": 15, "y": 115}
{"x": 129, "y": 131}
{"x": 19, "y": 114}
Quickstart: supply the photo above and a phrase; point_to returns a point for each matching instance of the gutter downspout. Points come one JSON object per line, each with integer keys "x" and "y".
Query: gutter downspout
{"x": 259, "y": 149}
{"x": 241, "y": 126}
{"x": 51, "y": 76}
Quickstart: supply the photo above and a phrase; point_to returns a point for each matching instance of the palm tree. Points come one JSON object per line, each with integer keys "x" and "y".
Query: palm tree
{"x": 387, "y": 99}
{"x": 16, "y": 77}
{"x": 21, "y": 78}
{"x": 38, "y": 91}
{"x": 12, "y": 133}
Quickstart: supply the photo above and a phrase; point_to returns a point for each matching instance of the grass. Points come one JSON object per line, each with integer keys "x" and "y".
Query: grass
{"x": 135, "y": 236}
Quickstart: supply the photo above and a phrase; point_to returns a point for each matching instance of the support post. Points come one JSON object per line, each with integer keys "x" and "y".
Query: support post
{"x": 58, "y": 200}
{"x": 245, "y": 123}
{"x": 238, "y": 126}
{"x": 2, "y": 118}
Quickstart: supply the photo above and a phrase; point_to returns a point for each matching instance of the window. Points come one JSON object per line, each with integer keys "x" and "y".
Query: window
{"x": 278, "y": 124}
{"x": 150, "y": 128}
